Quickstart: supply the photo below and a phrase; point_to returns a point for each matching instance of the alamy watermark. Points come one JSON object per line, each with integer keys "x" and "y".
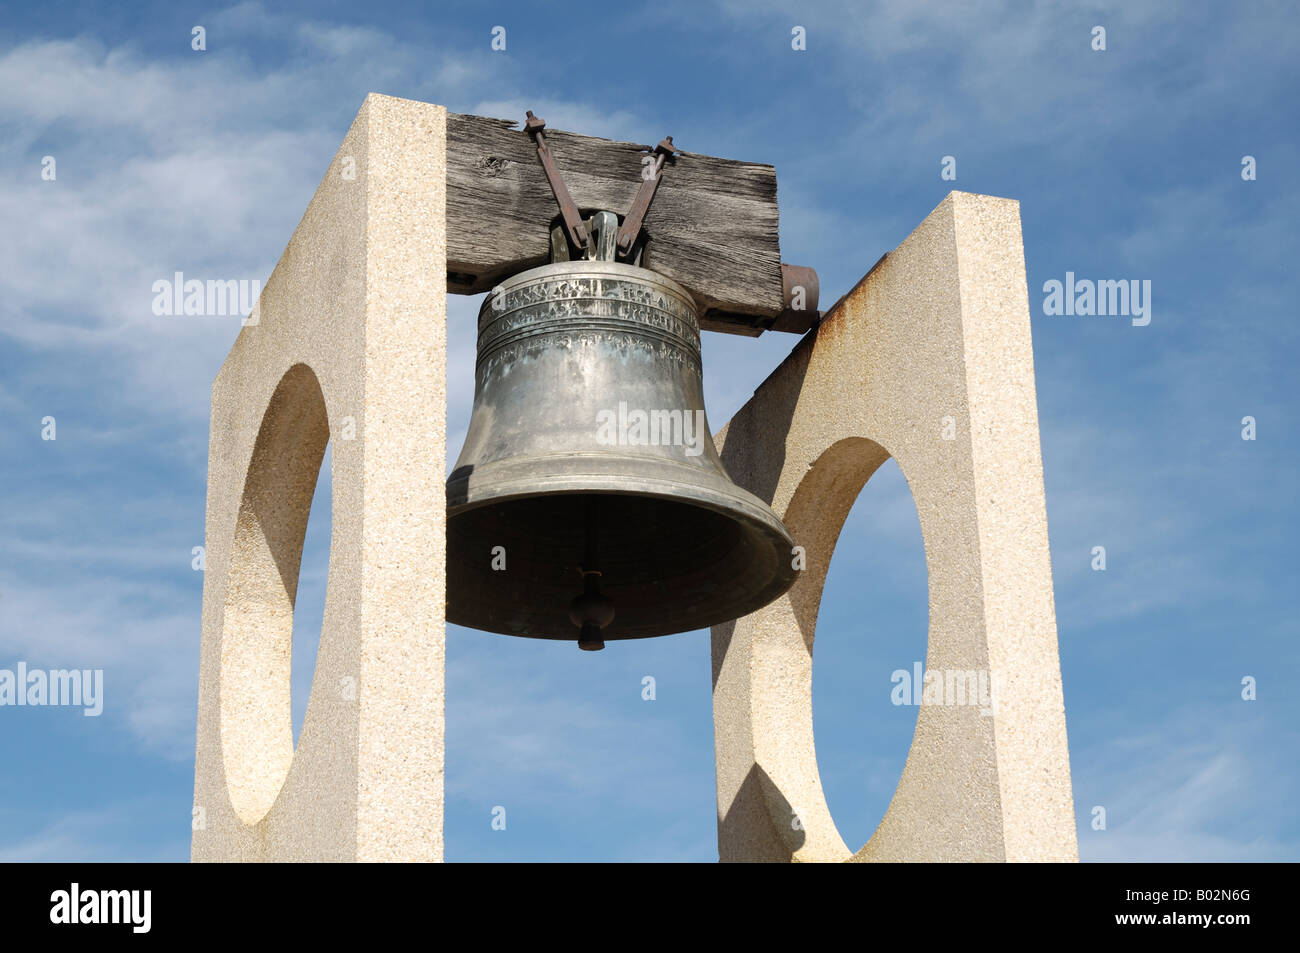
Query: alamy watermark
{"x": 1104, "y": 298}
{"x": 191, "y": 297}
{"x": 652, "y": 428}
{"x": 921, "y": 686}
{"x": 75, "y": 905}
{"x": 64, "y": 688}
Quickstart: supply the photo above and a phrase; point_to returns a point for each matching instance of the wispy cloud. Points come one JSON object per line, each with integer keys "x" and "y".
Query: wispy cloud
{"x": 1202, "y": 785}
{"x": 110, "y": 834}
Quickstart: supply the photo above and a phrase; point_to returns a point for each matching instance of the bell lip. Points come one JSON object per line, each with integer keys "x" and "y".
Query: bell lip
{"x": 622, "y": 269}
{"x": 605, "y": 636}
{"x": 576, "y": 480}
{"x": 734, "y": 501}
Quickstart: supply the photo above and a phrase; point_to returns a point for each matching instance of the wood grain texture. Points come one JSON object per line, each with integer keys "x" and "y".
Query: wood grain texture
{"x": 712, "y": 226}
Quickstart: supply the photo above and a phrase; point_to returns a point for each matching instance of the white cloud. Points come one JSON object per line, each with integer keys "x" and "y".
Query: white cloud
{"x": 195, "y": 163}
{"x": 205, "y": 163}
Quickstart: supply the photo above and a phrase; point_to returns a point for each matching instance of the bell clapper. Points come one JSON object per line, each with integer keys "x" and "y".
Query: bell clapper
{"x": 592, "y": 610}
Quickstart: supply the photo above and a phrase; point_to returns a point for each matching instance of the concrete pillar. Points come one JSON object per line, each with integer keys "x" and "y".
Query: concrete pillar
{"x": 347, "y": 345}
{"x": 927, "y": 360}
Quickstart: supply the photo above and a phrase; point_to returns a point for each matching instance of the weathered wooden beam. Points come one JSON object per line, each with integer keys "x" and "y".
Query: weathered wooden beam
{"x": 712, "y": 226}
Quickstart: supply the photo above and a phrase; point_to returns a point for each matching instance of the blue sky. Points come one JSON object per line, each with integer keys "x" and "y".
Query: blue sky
{"x": 1127, "y": 165}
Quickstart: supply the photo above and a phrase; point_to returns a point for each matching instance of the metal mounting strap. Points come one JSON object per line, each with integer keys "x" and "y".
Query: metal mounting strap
{"x": 631, "y": 227}
{"x": 568, "y": 210}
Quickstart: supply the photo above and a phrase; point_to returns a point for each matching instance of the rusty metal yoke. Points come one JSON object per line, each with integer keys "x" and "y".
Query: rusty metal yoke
{"x": 800, "y": 284}
{"x": 574, "y": 227}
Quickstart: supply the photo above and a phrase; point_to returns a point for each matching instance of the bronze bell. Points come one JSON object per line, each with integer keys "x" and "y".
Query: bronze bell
{"x": 589, "y": 501}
